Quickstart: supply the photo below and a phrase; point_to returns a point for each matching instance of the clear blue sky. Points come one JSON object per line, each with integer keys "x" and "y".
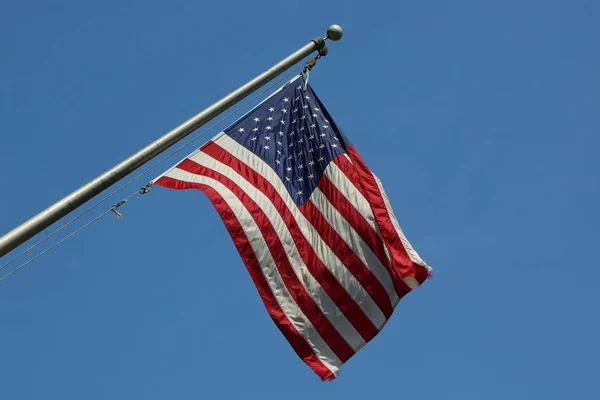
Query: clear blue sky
{"x": 481, "y": 118}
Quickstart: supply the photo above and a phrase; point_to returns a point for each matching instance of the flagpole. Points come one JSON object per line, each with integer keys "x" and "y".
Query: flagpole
{"x": 30, "y": 228}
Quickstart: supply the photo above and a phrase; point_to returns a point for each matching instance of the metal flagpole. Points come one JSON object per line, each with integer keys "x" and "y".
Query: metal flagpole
{"x": 61, "y": 208}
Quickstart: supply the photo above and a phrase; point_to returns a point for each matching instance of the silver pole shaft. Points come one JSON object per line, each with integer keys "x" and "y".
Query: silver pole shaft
{"x": 61, "y": 208}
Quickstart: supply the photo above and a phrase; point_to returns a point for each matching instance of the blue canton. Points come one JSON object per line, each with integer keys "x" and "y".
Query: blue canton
{"x": 293, "y": 133}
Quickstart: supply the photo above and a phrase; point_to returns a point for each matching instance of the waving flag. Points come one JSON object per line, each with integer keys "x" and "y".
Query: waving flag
{"x": 311, "y": 222}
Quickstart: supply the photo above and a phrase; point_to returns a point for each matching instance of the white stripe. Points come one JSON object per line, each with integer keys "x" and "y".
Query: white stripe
{"x": 339, "y": 179}
{"x": 324, "y": 253}
{"x": 312, "y": 286}
{"x": 355, "y": 242}
{"x": 269, "y": 268}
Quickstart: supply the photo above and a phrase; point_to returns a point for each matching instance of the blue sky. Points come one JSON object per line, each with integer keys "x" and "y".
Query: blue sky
{"x": 481, "y": 119}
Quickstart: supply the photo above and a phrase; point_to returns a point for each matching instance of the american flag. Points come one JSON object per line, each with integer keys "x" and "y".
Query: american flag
{"x": 311, "y": 222}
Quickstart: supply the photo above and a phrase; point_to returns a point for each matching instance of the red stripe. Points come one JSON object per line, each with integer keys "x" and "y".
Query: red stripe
{"x": 358, "y": 172}
{"x": 296, "y": 340}
{"x": 358, "y": 222}
{"x": 318, "y": 270}
{"x": 306, "y": 303}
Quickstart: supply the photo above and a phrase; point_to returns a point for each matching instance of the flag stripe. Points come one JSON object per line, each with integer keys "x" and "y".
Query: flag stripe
{"x": 355, "y": 243}
{"x": 321, "y": 293}
{"x": 263, "y": 177}
{"x": 284, "y": 270}
{"x": 411, "y": 272}
{"x": 348, "y": 210}
{"x": 345, "y": 253}
{"x": 348, "y": 189}
{"x": 347, "y": 180}
{"x": 262, "y": 268}
{"x": 365, "y": 182}
{"x": 412, "y": 253}
{"x": 372, "y": 241}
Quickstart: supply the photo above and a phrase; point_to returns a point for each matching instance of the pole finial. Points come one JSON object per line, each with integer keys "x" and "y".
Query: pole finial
{"x": 334, "y": 32}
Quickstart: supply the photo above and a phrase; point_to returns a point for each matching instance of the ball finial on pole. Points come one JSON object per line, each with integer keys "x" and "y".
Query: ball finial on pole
{"x": 334, "y": 32}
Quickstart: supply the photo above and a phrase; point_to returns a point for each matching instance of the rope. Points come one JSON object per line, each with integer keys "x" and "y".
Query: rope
{"x": 68, "y": 236}
{"x": 308, "y": 65}
{"x": 306, "y": 71}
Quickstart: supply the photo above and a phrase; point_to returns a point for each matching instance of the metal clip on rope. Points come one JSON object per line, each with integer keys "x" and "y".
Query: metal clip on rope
{"x": 115, "y": 208}
{"x": 145, "y": 189}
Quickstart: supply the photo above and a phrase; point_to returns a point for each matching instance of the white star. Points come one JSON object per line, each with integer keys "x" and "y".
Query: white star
{"x": 311, "y": 137}
{"x": 254, "y": 138}
{"x": 283, "y": 110}
{"x": 305, "y": 106}
{"x": 311, "y": 176}
{"x": 334, "y": 145}
{"x": 323, "y": 135}
{"x": 299, "y": 87}
{"x": 291, "y": 145}
{"x": 296, "y": 110}
{"x": 303, "y": 117}
{"x": 287, "y": 179}
{"x": 279, "y": 143}
{"x": 300, "y": 179}
{"x": 267, "y": 137}
{"x": 327, "y": 121}
{"x": 311, "y": 150}
{"x": 321, "y": 159}
{"x": 271, "y": 109}
{"x": 315, "y": 115}
{"x": 300, "y": 166}
{"x": 335, "y": 138}
{"x": 316, "y": 109}
{"x": 301, "y": 129}
{"x": 269, "y": 128}
{"x": 282, "y": 122}
{"x": 289, "y": 169}
{"x": 297, "y": 98}
{"x": 301, "y": 141}
{"x": 311, "y": 163}
{"x": 266, "y": 147}
{"x": 292, "y": 133}
{"x": 278, "y": 162}
{"x": 285, "y": 99}
{"x": 281, "y": 133}
{"x": 322, "y": 146}
{"x": 299, "y": 192}
{"x": 325, "y": 127}
{"x": 294, "y": 121}
{"x": 300, "y": 153}
{"x": 255, "y": 129}
{"x": 241, "y": 130}
{"x": 256, "y": 119}
{"x": 278, "y": 152}
{"x": 307, "y": 98}
{"x": 290, "y": 157}
{"x": 313, "y": 126}
{"x": 270, "y": 119}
